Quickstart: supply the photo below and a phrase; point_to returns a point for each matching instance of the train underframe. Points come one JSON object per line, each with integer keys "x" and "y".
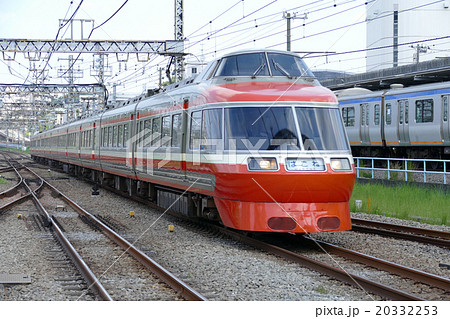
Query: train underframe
{"x": 186, "y": 203}
{"x": 418, "y": 152}
{"x": 249, "y": 216}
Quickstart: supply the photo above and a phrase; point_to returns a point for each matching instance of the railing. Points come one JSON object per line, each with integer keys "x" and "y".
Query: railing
{"x": 437, "y": 171}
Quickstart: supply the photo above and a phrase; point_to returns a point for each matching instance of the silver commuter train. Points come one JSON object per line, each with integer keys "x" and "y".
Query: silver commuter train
{"x": 398, "y": 122}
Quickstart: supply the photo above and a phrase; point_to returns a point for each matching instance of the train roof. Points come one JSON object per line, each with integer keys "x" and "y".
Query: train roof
{"x": 361, "y": 93}
{"x": 208, "y": 74}
{"x": 247, "y": 51}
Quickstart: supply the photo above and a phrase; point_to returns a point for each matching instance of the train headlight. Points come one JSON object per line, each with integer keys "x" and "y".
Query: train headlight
{"x": 340, "y": 164}
{"x": 262, "y": 163}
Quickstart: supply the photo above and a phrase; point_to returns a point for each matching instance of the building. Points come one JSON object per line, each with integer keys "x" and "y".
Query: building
{"x": 403, "y": 29}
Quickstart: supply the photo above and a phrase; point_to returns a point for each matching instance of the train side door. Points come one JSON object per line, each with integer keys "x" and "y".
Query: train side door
{"x": 365, "y": 137}
{"x": 129, "y": 131}
{"x": 403, "y": 122}
{"x": 445, "y": 119}
{"x": 375, "y": 125}
{"x": 184, "y": 136}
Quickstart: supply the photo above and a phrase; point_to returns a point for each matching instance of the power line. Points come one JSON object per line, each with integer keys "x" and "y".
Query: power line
{"x": 282, "y": 31}
{"x": 380, "y": 47}
{"x": 264, "y": 17}
{"x": 57, "y": 34}
{"x": 255, "y": 11}
{"x": 206, "y": 24}
{"x": 90, "y": 34}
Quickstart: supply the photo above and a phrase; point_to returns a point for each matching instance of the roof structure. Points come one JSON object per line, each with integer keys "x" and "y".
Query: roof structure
{"x": 437, "y": 70}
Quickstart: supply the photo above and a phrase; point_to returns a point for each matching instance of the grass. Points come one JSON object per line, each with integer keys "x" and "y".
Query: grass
{"x": 322, "y": 290}
{"x": 406, "y": 201}
{"x": 3, "y": 181}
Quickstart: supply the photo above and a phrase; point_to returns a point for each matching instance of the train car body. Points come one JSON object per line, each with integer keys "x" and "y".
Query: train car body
{"x": 253, "y": 141}
{"x": 410, "y": 122}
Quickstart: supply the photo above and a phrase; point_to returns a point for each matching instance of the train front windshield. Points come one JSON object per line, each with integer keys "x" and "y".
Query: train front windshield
{"x": 274, "y": 128}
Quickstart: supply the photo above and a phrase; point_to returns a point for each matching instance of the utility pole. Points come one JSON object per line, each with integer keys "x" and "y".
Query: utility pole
{"x": 419, "y": 49}
{"x": 288, "y": 16}
{"x": 179, "y": 36}
{"x": 160, "y": 76}
{"x": 114, "y": 96}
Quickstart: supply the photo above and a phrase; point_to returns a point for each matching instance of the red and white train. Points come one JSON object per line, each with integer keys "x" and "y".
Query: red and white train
{"x": 253, "y": 141}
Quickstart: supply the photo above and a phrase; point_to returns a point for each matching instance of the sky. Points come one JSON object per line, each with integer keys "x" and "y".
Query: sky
{"x": 211, "y": 29}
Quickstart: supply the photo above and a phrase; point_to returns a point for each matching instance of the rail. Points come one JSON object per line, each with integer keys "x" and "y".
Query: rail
{"x": 421, "y": 235}
{"x": 403, "y": 169}
{"x": 87, "y": 273}
{"x": 328, "y": 270}
{"x": 178, "y": 285}
{"x": 394, "y": 268}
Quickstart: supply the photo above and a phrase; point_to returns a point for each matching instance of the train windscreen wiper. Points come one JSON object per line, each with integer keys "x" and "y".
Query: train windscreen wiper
{"x": 259, "y": 69}
{"x": 281, "y": 69}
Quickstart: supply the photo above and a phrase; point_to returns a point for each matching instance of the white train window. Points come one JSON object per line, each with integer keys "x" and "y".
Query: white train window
{"x": 403, "y": 111}
{"x": 376, "y": 115}
{"x": 424, "y": 111}
{"x": 364, "y": 114}
{"x": 146, "y": 139}
{"x": 125, "y": 134}
{"x": 445, "y": 106}
{"x": 406, "y": 112}
{"x": 348, "y": 115}
{"x": 156, "y": 131}
{"x": 206, "y": 130}
{"x": 196, "y": 127}
{"x": 244, "y": 65}
{"x": 176, "y": 130}
{"x": 211, "y": 129}
{"x": 109, "y": 136}
{"x": 120, "y": 136}
{"x": 401, "y": 106}
{"x": 114, "y": 140}
{"x": 388, "y": 114}
{"x": 260, "y": 128}
{"x": 166, "y": 127}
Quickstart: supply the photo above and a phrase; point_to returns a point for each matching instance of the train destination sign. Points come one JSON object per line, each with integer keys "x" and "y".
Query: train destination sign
{"x": 305, "y": 164}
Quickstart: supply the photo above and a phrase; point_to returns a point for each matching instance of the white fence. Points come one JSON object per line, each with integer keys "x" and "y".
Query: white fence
{"x": 417, "y": 170}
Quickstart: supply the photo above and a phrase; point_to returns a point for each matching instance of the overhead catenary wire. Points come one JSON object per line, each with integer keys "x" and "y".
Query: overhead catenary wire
{"x": 360, "y": 22}
{"x": 277, "y": 14}
{"x": 93, "y": 29}
{"x": 381, "y": 47}
{"x": 221, "y": 14}
{"x": 283, "y": 31}
{"x": 233, "y": 29}
{"x": 57, "y": 35}
{"x": 316, "y": 34}
{"x": 253, "y": 12}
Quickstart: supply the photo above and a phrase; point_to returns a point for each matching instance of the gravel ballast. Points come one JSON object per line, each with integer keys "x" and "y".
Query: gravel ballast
{"x": 221, "y": 268}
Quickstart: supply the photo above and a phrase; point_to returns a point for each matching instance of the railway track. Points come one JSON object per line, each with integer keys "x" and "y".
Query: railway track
{"x": 88, "y": 275}
{"x": 369, "y": 285}
{"x": 94, "y": 284}
{"x": 334, "y": 272}
{"x": 385, "y": 291}
{"x": 12, "y": 196}
{"x": 381, "y": 264}
{"x": 421, "y": 235}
